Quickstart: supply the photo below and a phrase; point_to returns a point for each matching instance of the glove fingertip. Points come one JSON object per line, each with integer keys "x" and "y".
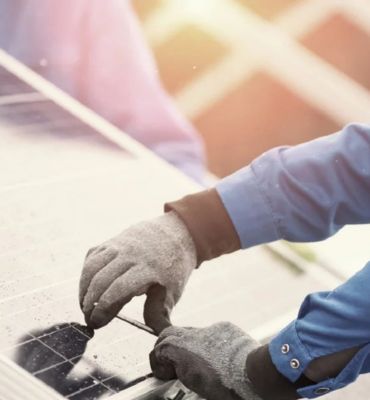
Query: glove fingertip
{"x": 97, "y": 319}
{"x": 156, "y": 314}
{"x": 163, "y": 370}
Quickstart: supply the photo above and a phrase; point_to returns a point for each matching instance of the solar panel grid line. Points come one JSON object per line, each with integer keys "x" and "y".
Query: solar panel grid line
{"x": 22, "y": 291}
{"x": 59, "y": 371}
{"x": 68, "y": 103}
{"x": 95, "y": 380}
{"x": 51, "y": 313}
{"x": 57, "y": 364}
{"x": 38, "y": 341}
{"x": 12, "y": 85}
{"x": 52, "y": 358}
{"x": 358, "y": 11}
{"x": 40, "y": 112}
{"x": 201, "y": 93}
{"x": 24, "y": 311}
{"x": 305, "y": 16}
{"x": 43, "y": 341}
{"x": 29, "y": 224}
{"x": 59, "y": 329}
{"x": 38, "y": 290}
{"x": 112, "y": 355}
{"x": 18, "y": 384}
{"x": 116, "y": 341}
{"x": 10, "y": 281}
{"x": 164, "y": 22}
{"x": 9, "y": 310}
{"x": 57, "y": 180}
{"x": 25, "y": 339}
{"x": 21, "y": 98}
{"x": 336, "y": 100}
{"x": 325, "y": 87}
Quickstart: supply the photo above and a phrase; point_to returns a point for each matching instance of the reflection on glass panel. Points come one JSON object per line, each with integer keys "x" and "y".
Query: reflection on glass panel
{"x": 58, "y": 356}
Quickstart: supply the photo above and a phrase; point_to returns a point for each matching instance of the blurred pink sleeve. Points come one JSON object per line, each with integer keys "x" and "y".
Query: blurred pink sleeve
{"x": 95, "y": 51}
{"x": 120, "y": 81}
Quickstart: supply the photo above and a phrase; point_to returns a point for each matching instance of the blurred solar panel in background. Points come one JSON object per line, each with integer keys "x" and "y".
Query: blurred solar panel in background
{"x": 257, "y": 74}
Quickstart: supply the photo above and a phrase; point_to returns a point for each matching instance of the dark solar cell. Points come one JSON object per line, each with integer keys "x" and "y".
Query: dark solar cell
{"x": 34, "y": 356}
{"x": 10, "y": 84}
{"x": 37, "y": 112}
{"x": 117, "y": 384}
{"x": 59, "y": 358}
{"x": 69, "y": 342}
{"x": 61, "y": 379}
{"x": 45, "y": 118}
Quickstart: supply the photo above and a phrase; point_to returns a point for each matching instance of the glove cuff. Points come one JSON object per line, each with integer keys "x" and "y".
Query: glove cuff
{"x": 208, "y": 223}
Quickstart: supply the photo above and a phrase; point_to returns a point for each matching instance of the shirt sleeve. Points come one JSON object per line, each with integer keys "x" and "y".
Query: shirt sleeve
{"x": 327, "y": 323}
{"x": 121, "y": 81}
{"x": 302, "y": 193}
{"x": 307, "y": 193}
{"x": 96, "y": 52}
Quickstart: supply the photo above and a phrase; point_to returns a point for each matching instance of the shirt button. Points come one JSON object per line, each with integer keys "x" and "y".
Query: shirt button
{"x": 294, "y": 363}
{"x": 285, "y": 348}
{"x": 322, "y": 390}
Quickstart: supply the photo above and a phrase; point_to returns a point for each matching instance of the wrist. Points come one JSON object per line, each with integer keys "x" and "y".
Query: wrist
{"x": 267, "y": 381}
{"x": 208, "y": 222}
{"x": 176, "y": 230}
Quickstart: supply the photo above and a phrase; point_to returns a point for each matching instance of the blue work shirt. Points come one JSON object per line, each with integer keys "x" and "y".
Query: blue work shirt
{"x": 307, "y": 193}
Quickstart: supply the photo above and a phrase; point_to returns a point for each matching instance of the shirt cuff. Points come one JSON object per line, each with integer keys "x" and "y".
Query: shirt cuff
{"x": 248, "y": 208}
{"x": 291, "y": 358}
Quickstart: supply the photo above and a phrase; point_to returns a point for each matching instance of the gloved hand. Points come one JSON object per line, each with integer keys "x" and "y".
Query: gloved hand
{"x": 155, "y": 257}
{"x": 209, "y": 361}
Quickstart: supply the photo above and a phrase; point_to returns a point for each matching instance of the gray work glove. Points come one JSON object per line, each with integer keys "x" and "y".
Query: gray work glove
{"x": 155, "y": 257}
{"x": 209, "y": 361}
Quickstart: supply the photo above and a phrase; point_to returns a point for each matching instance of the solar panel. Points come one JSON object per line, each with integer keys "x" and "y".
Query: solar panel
{"x": 53, "y": 153}
{"x": 65, "y": 187}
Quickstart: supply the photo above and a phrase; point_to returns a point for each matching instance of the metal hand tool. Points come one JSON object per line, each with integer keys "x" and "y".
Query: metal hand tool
{"x": 177, "y": 391}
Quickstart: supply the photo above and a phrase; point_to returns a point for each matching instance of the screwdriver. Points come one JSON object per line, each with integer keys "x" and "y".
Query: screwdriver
{"x": 177, "y": 391}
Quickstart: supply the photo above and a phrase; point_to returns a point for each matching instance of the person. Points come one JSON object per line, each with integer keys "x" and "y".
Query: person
{"x": 302, "y": 193}
{"x": 95, "y": 51}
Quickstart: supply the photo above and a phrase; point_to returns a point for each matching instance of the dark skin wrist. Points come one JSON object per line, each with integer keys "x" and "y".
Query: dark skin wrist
{"x": 329, "y": 366}
{"x": 208, "y": 222}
